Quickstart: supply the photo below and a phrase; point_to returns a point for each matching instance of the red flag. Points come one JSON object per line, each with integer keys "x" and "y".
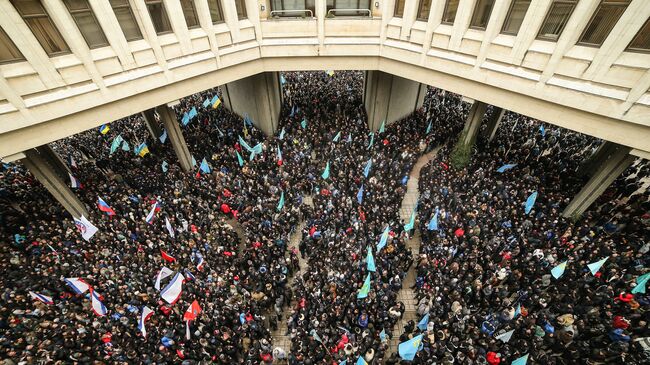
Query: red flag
{"x": 362, "y": 215}
{"x": 166, "y": 257}
{"x": 192, "y": 312}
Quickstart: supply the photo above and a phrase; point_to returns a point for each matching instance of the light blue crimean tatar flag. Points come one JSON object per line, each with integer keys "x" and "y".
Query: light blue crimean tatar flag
{"x": 409, "y": 226}
{"x": 361, "y": 361}
{"x": 530, "y": 202}
{"x": 370, "y": 261}
{"x": 366, "y": 170}
{"x": 408, "y": 349}
{"x": 337, "y": 137}
{"x": 204, "y": 166}
{"x": 365, "y": 288}
{"x": 595, "y": 266}
{"x": 281, "y": 202}
{"x": 640, "y": 283}
{"x": 506, "y": 167}
{"x": 424, "y": 322}
{"x": 383, "y": 239}
{"x": 428, "y": 128}
{"x": 164, "y": 166}
{"x": 382, "y": 128}
{"x": 239, "y": 159}
{"x": 433, "y": 223}
{"x": 163, "y": 136}
{"x": 558, "y": 271}
{"x": 372, "y": 140}
{"x": 360, "y": 195}
{"x": 303, "y": 124}
{"x": 520, "y": 361}
{"x": 326, "y": 173}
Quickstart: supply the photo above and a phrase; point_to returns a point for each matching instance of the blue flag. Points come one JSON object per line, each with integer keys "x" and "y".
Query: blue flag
{"x": 530, "y": 202}
{"x": 383, "y": 239}
{"x": 361, "y": 361}
{"x": 595, "y": 266}
{"x": 542, "y": 130}
{"x": 186, "y": 118}
{"x": 163, "y": 136}
{"x": 281, "y": 202}
{"x": 365, "y": 288}
{"x": 558, "y": 271}
{"x": 370, "y": 261}
{"x": 193, "y": 113}
{"x": 372, "y": 140}
{"x": 344, "y": 362}
{"x": 337, "y": 137}
{"x": 242, "y": 318}
{"x": 245, "y": 145}
{"x": 326, "y": 173}
{"x": 506, "y": 167}
{"x": 164, "y": 166}
{"x": 293, "y": 111}
{"x": 408, "y": 349}
{"x": 125, "y": 146}
{"x": 382, "y": 335}
{"x": 360, "y": 195}
{"x": 428, "y": 128}
{"x": 424, "y": 322}
{"x": 518, "y": 310}
{"x": 520, "y": 361}
{"x": 433, "y": 223}
{"x": 282, "y": 80}
{"x": 281, "y": 137}
{"x": 382, "y": 128}
{"x": 640, "y": 284}
{"x": 349, "y": 138}
{"x": 206, "y": 103}
{"x": 204, "y": 166}
{"x": 193, "y": 161}
{"x": 239, "y": 159}
{"x": 409, "y": 226}
{"x": 366, "y": 170}
{"x": 303, "y": 124}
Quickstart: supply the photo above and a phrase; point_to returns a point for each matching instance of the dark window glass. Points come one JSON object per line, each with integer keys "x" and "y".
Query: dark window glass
{"x": 159, "y": 16}
{"x": 423, "y": 10}
{"x": 189, "y": 12}
{"x": 481, "y": 15}
{"x": 451, "y": 7}
{"x": 515, "y": 17}
{"x": 603, "y": 21}
{"x": 8, "y": 50}
{"x": 556, "y": 19}
{"x": 87, "y": 23}
{"x": 125, "y": 17}
{"x": 216, "y": 13}
{"x": 41, "y": 26}
{"x": 641, "y": 41}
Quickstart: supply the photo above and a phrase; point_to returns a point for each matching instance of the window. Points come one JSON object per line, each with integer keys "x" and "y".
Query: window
{"x": 284, "y": 7}
{"x": 241, "y": 9}
{"x": 126, "y": 19}
{"x": 215, "y": 11}
{"x": 158, "y": 16}
{"x": 603, "y": 21}
{"x": 448, "y": 16}
{"x": 515, "y": 17}
{"x": 399, "y": 8}
{"x": 8, "y": 50}
{"x": 641, "y": 41}
{"x": 41, "y": 26}
{"x": 423, "y": 10}
{"x": 86, "y": 22}
{"x": 189, "y": 12}
{"x": 481, "y": 15}
{"x": 556, "y": 19}
{"x": 349, "y": 4}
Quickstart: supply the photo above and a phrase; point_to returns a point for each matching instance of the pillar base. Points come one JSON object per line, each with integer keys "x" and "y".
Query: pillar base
{"x": 473, "y": 122}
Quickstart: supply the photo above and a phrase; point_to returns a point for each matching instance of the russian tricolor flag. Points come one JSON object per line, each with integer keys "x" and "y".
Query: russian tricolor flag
{"x": 101, "y": 204}
{"x": 78, "y": 285}
{"x": 146, "y": 313}
{"x": 152, "y": 214}
{"x": 43, "y": 298}
{"x": 97, "y": 306}
{"x": 201, "y": 264}
{"x": 173, "y": 290}
{"x": 74, "y": 182}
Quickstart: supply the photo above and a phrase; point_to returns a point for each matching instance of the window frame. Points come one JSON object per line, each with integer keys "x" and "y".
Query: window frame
{"x": 288, "y": 13}
{"x": 245, "y": 13}
{"x": 46, "y": 15}
{"x": 540, "y": 37}
{"x": 127, "y": 5}
{"x": 444, "y": 12}
{"x": 593, "y": 16}
{"x": 162, "y": 3}
{"x": 92, "y": 14}
{"x": 629, "y": 47}
{"x": 471, "y": 20}
{"x": 395, "y": 9}
{"x": 220, "y": 8}
{"x": 196, "y": 14}
{"x": 11, "y": 42}
{"x": 512, "y": 5}
{"x": 417, "y": 16}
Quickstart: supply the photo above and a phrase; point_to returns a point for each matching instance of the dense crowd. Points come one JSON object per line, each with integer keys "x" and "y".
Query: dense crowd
{"x": 483, "y": 271}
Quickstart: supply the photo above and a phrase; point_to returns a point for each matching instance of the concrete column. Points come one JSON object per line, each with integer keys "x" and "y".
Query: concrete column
{"x": 590, "y": 164}
{"x": 38, "y": 166}
{"x": 473, "y": 122}
{"x": 151, "y": 123}
{"x": 259, "y": 96}
{"x": 54, "y": 160}
{"x": 609, "y": 167}
{"x": 494, "y": 121}
{"x": 175, "y": 135}
{"x": 391, "y": 98}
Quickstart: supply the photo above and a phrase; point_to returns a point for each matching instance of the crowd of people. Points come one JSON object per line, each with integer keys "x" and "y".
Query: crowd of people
{"x": 226, "y": 226}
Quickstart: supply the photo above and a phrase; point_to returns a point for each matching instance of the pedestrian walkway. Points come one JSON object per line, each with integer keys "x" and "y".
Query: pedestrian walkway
{"x": 280, "y": 339}
{"x": 406, "y": 294}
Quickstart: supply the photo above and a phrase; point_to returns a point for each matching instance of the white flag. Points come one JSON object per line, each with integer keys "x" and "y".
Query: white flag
{"x": 86, "y": 228}
{"x": 164, "y": 272}
{"x": 170, "y": 229}
{"x": 505, "y": 337}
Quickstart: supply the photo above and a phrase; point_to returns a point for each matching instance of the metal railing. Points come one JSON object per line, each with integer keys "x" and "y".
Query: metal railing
{"x": 329, "y": 12}
{"x": 305, "y": 12}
